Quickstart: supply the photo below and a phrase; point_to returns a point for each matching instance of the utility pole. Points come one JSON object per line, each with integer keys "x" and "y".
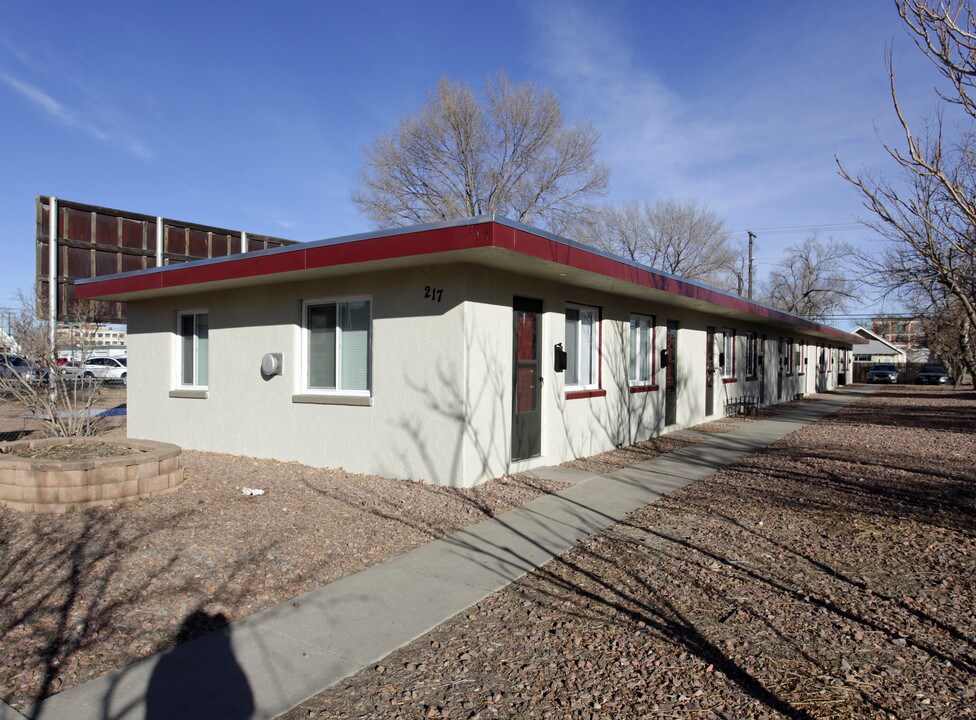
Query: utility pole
{"x": 752, "y": 236}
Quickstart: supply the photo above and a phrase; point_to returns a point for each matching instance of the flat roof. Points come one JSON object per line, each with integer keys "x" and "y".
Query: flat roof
{"x": 488, "y": 241}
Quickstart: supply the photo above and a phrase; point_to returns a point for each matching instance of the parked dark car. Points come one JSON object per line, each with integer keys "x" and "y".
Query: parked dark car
{"x": 932, "y": 375}
{"x": 11, "y": 365}
{"x": 883, "y": 374}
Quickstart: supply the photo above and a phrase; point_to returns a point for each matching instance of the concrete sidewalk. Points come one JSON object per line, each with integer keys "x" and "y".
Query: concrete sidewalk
{"x": 270, "y": 662}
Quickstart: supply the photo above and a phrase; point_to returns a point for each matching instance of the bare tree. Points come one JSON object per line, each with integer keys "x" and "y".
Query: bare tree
{"x": 30, "y": 378}
{"x": 511, "y": 155}
{"x": 949, "y": 336}
{"x": 683, "y": 238}
{"x": 929, "y": 218}
{"x": 813, "y": 280}
{"x": 925, "y": 263}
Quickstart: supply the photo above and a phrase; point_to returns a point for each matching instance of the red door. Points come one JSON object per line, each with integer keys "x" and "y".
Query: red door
{"x": 709, "y": 370}
{"x": 527, "y": 379}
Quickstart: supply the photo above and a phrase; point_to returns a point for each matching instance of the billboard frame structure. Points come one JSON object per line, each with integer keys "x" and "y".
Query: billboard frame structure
{"x": 93, "y": 241}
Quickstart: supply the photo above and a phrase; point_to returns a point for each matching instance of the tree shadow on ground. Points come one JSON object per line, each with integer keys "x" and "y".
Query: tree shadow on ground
{"x": 71, "y": 597}
{"x": 682, "y": 569}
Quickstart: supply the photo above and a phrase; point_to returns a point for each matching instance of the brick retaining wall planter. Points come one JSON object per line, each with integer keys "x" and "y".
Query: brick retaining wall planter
{"x": 57, "y": 486}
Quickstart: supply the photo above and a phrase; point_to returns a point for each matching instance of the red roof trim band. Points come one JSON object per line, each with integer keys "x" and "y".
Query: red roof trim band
{"x": 427, "y": 241}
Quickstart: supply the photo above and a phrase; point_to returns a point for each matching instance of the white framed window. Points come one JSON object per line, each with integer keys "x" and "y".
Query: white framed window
{"x": 582, "y": 347}
{"x": 336, "y": 346}
{"x": 642, "y": 350}
{"x": 728, "y": 354}
{"x": 193, "y": 329}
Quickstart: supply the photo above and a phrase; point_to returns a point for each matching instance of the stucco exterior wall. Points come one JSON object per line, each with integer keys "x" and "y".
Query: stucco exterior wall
{"x": 581, "y": 426}
{"x": 413, "y": 428}
{"x": 442, "y": 375}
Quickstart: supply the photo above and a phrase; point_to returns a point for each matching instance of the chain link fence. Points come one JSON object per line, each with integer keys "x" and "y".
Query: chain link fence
{"x": 16, "y": 423}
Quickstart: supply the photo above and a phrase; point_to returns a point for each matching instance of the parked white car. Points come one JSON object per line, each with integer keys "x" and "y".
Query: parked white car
{"x": 109, "y": 369}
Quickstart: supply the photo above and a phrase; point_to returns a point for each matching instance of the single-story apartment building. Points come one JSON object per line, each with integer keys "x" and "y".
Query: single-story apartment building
{"x": 451, "y": 353}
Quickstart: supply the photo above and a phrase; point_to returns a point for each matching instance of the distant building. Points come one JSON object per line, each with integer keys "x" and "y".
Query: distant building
{"x": 75, "y": 339}
{"x": 905, "y": 332}
{"x": 878, "y": 350}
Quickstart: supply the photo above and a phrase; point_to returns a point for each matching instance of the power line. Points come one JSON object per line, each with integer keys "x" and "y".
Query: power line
{"x": 797, "y": 229}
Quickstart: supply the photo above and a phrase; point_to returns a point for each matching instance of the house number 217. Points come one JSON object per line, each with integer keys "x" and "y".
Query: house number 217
{"x": 433, "y": 294}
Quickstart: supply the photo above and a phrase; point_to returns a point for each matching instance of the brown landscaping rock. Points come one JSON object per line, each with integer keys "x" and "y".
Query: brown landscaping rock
{"x": 776, "y": 588}
{"x": 830, "y": 576}
{"x": 87, "y": 592}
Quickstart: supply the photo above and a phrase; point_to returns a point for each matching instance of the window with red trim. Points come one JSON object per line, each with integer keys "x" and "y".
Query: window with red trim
{"x": 728, "y": 355}
{"x": 582, "y": 347}
{"x": 642, "y": 364}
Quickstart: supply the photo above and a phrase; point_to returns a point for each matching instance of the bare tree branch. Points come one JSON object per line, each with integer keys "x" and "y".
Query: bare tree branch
{"x": 31, "y": 379}
{"x": 680, "y": 237}
{"x": 813, "y": 280}
{"x": 929, "y": 218}
{"x": 511, "y": 156}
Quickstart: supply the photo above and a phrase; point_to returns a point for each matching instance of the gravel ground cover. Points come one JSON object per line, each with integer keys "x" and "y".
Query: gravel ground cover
{"x": 647, "y": 449}
{"x": 830, "y": 576}
{"x": 85, "y": 593}
{"x": 631, "y": 455}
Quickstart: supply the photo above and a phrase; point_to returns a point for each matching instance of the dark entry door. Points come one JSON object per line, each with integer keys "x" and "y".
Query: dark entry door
{"x": 526, "y": 379}
{"x": 780, "y": 368}
{"x": 709, "y": 370}
{"x": 671, "y": 375}
{"x": 762, "y": 370}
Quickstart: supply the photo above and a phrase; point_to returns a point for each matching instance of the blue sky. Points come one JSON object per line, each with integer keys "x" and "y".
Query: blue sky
{"x": 253, "y": 115}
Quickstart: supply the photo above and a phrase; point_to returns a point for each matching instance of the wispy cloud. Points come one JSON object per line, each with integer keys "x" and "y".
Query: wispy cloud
{"x": 283, "y": 222}
{"x": 41, "y": 99}
{"x": 757, "y": 148}
{"x": 652, "y": 136}
{"x": 70, "y": 118}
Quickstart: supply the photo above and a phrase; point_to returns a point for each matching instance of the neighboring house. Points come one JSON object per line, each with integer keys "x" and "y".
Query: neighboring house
{"x": 451, "y": 353}
{"x": 877, "y": 350}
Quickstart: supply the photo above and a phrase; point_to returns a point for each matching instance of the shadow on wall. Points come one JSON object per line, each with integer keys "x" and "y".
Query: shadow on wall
{"x": 484, "y": 425}
{"x": 488, "y": 408}
{"x": 621, "y": 416}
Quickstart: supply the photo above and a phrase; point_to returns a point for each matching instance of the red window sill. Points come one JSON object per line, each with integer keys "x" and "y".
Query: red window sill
{"x": 643, "y": 388}
{"x": 751, "y": 377}
{"x": 577, "y": 394}
{"x": 727, "y": 381}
